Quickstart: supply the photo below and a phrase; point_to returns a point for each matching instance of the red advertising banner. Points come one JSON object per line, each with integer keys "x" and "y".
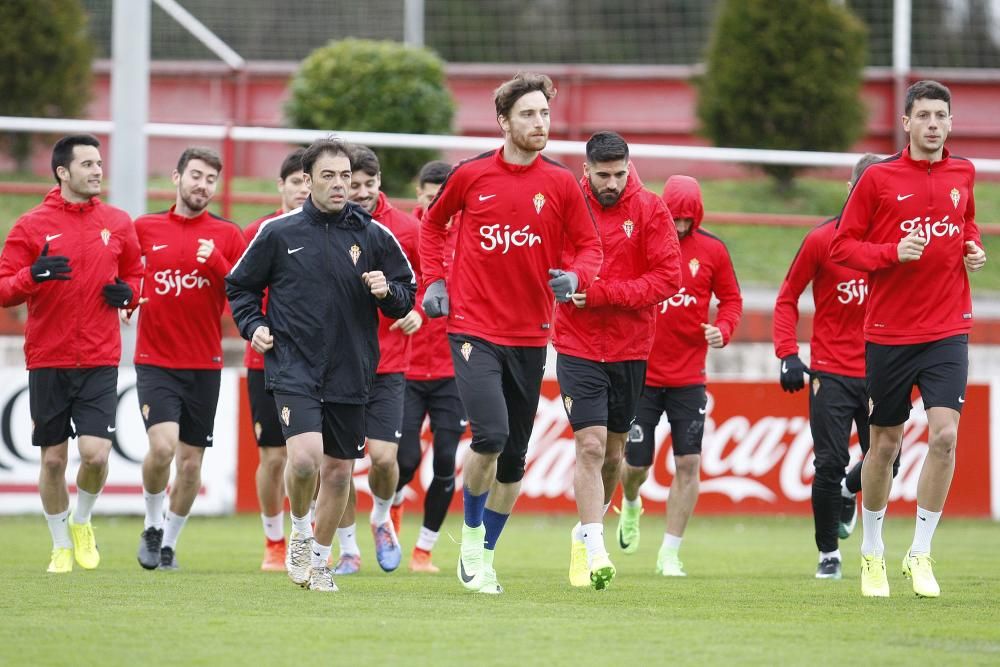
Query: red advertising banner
{"x": 756, "y": 456}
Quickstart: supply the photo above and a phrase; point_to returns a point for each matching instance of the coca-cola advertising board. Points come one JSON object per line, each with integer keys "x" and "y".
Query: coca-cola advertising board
{"x": 756, "y": 456}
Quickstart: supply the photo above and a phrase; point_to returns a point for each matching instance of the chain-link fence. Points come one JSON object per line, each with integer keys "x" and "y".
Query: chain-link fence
{"x": 946, "y": 33}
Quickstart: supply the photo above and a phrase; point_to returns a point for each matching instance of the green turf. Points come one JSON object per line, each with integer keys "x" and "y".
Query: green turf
{"x": 761, "y": 254}
{"x": 750, "y": 598}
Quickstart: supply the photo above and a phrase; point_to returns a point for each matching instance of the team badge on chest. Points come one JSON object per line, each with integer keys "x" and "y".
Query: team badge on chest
{"x": 355, "y": 253}
{"x": 106, "y": 235}
{"x": 539, "y": 202}
{"x": 694, "y": 265}
{"x": 629, "y": 227}
{"x": 956, "y": 196}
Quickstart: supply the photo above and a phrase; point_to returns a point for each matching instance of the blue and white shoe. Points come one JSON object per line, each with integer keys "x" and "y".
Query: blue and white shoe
{"x": 387, "y": 550}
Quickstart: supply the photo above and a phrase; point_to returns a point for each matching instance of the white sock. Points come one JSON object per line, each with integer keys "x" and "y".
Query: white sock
{"x": 348, "y": 539}
{"x": 605, "y": 510}
{"x": 320, "y": 554}
{"x": 578, "y": 532}
{"x": 399, "y": 498}
{"x": 380, "y": 510}
{"x": 632, "y": 504}
{"x": 672, "y": 542}
{"x": 593, "y": 538}
{"x": 84, "y": 506}
{"x": 154, "y": 509}
{"x": 871, "y": 538}
{"x": 172, "y": 527}
{"x": 302, "y": 525}
{"x": 59, "y": 529}
{"x": 844, "y": 493}
{"x": 926, "y": 524}
{"x": 832, "y": 554}
{"x": 427, "y": 539}
{"x": 274, "y": 526}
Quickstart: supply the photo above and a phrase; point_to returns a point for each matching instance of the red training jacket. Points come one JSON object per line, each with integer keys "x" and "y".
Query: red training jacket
{"x": 252, "y": 359}
{"x": 394, "y": 345}
{"x": 430, "y": 353}
{"x": 840, "y": 295}
{"x": 69, "y": 324}
{"x": 925, "y": 300}
{"x": 641, "y": 268}
{"x": 679, "y": 349}
{"x": 180, "y": 327}
{"x": 516, "y": 222}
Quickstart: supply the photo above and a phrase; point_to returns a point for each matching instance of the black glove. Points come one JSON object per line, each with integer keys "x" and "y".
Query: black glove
{"x": 117, "y": 294}
{"x": 792, "y": 369}
{"x": 436, "y": 299}
{"x": 563, "y": 284}
{"x": 55, "y": 267}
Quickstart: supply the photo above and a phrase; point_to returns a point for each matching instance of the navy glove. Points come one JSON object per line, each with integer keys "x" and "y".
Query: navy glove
{"x": 117, "y": 294}
{"x": 563, "y": 284}
{"x": 436, "y": 299}
{"x": 792, "y": 369}
{"x": 50, "y": 267}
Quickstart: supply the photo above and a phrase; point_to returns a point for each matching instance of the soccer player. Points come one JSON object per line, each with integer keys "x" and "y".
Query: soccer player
{"x": 178, "y": 353}
{"x": 604, "y": 336}
{"x": 75, "y": 261}
{"x": 271, "y": 444}
{"x": 675, "y": 378}
{"x": 910, "y": 223}
{"x": 384, "y": 410}
{"x": 431, "y": 391}
{"x": 837, "y": 398}
{"x": 328, "y": 269}
{"x": 526, "y": 234}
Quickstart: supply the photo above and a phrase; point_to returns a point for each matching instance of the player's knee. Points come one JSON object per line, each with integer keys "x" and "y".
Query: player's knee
{"x": 273, "y": 465}
{"x": 828, "y": 477}
{"x": 590, "y": 449}
{"x": 301, "y": 465}
{"x": 942, "y": 441}
{"x": 510, "y": 469}
{"x": 189, "y": 467}
{"x": 383, "y": 460}
{"x": 490, "y": 443}
{"x": 161, "y": 451}
{"x": 53, "y": 463}
{"x": 446, "y": 483}
{"x": 95, "y": 458}
{"x": 688, "y": 467}
{"x": 336, "y": 474}
{"x": 613, "y": 458}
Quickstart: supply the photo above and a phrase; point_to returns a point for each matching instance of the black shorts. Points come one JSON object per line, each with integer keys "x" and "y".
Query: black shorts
{"x": 600, "y": 394}
{"x": 266, "y": 428}
{"x": 685, "y": 408}
{"x": 940, "y": 369}
{"x": 66, "y": 402}
{"x": 187, "y": 397}
{"x": 835, "y": 403}
{"x": 437, "y": 398}
{"x": 384, "y": 409}
{"x": 500, "y": 386}
{"x": 341, "y": 424}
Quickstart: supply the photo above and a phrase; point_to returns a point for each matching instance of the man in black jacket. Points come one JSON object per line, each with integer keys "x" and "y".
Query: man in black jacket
{"x": 328, "y": 268}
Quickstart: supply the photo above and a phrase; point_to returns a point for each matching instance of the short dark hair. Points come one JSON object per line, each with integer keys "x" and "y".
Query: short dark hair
{"x": 435, "y": 171}
{"x": 606, "y": 147}
{"x": 206, "y": 155}
{"x": 927, "y": 90}
{"x": 292, "y": 163}
{"x": 62, "y": 152}
{"x": 867, "y": 160}
{"x": 523, "y": 83}
{"x": 364, "y": 159}
{"x": 327, "y": 145}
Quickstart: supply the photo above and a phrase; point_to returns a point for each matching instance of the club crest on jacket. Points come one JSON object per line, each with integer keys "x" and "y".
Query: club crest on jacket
{"x": 628, "y": 226}
{"x": 694, "y": 265}
{"x": 106, "y": 235}
{"x": 355, "y": 255}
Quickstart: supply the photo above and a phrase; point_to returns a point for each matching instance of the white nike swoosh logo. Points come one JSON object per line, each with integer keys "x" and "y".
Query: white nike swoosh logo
{"x": 961, "y": 399}
{"x": 45, "y": 275}
{"x": 399, "y": 434}
{"x": 361, "y": 446}
{"x": 701, "y": 411}
{"x": 485, "y": 197}
{"x": 902, "y": 197}
{"x": 784, "y": 367}
{"x": 51, "y": 237}
{"x": 209, "y": 438}
{"x": 292, "y": 251}
{"x": 112, "y": 429}
{"x": 159, "y": 247}
{"x": 463, "y": 422}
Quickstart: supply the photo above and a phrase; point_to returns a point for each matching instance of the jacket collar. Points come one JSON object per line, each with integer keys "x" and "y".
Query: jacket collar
{"x": 352, "y": 216}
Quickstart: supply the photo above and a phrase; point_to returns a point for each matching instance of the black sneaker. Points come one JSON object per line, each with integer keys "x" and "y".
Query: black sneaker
{"x": 168, "y": 560}
{"x": 848, "y": 516}
{"x": 149, "y": 548}
{"x": 829, "y": 568}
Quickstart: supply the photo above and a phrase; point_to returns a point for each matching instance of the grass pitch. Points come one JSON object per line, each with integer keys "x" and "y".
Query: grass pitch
{"x": 750, "y": 598}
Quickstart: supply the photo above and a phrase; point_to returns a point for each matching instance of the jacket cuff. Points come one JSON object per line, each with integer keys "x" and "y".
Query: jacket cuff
{"x": 597, "y": 296}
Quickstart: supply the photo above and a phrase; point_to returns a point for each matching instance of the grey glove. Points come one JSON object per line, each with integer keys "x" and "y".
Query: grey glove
{"x": 563, "y": 284}
{"x": 436, "y": 299}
